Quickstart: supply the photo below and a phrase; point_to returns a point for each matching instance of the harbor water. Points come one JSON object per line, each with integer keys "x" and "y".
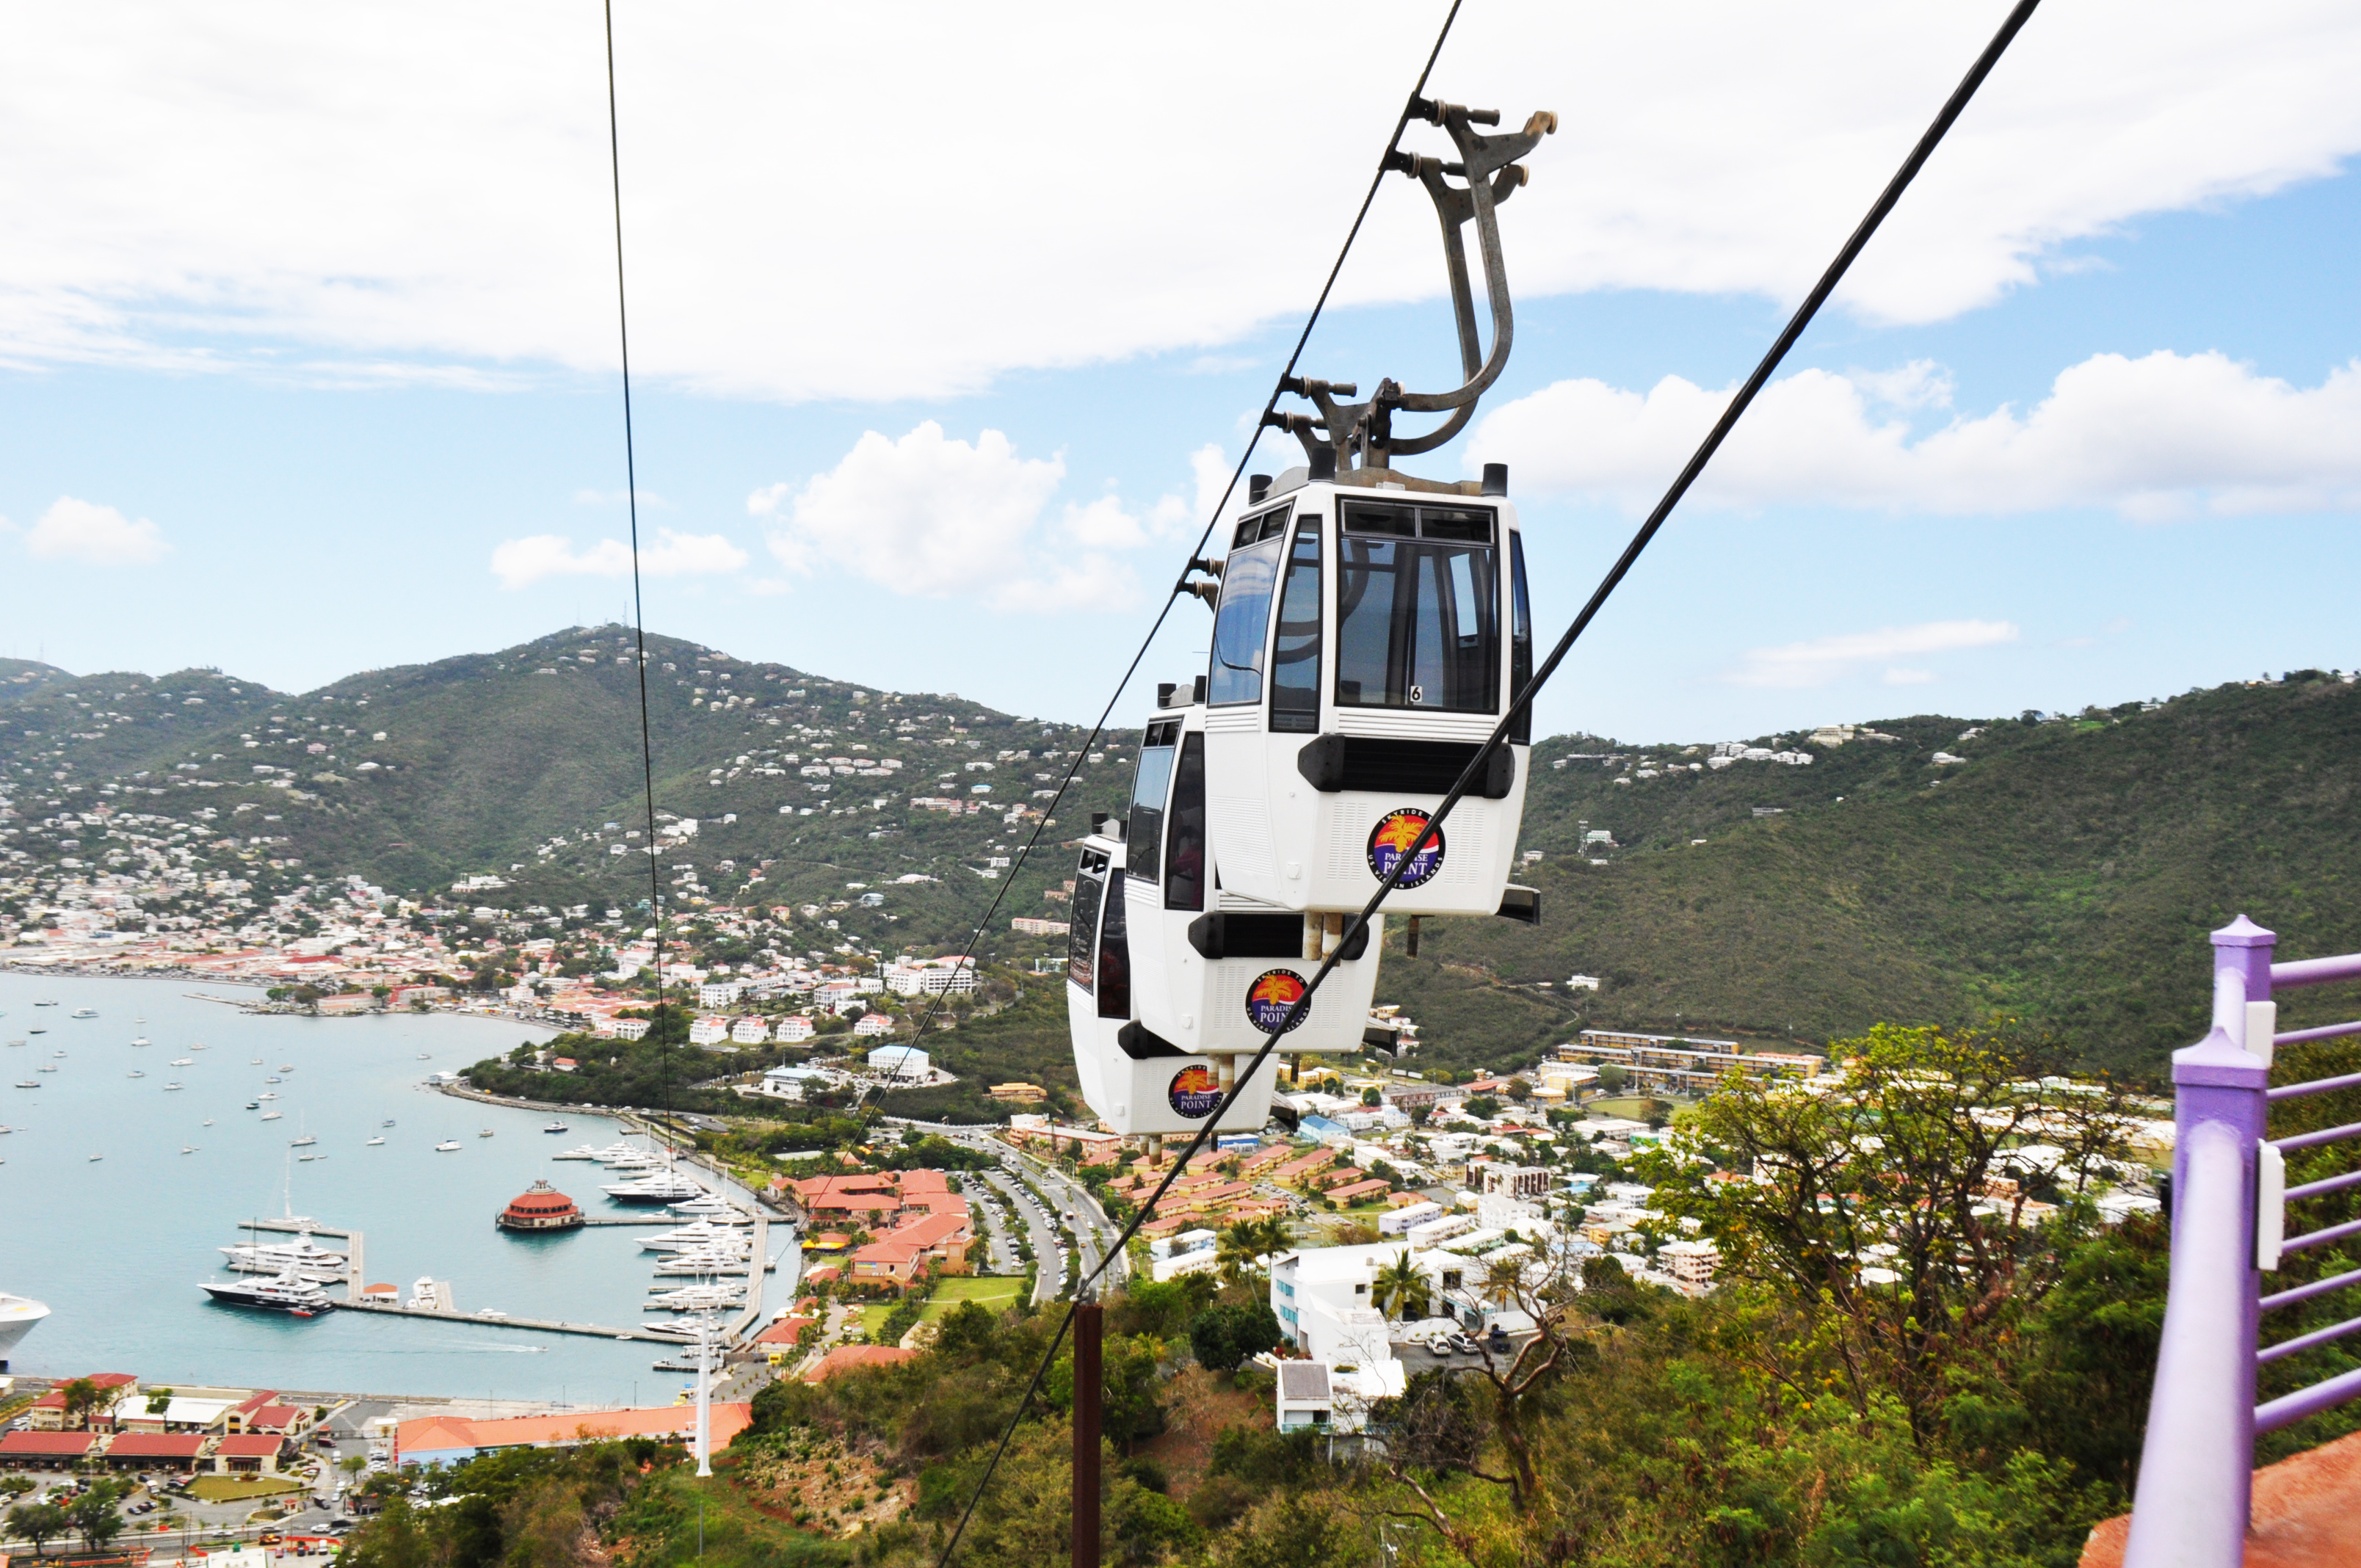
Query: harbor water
{"x": 116, "y": 1245}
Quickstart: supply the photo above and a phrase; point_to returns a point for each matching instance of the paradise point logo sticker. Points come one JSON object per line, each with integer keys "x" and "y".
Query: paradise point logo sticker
{"x": 1194, "y": 1092}
{"x": 1390, "y": 840}
{"x": 1269, "y": 997}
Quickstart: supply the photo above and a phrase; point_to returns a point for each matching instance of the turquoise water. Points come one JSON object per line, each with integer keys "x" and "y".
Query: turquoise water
{"x": 116, "y": 1247}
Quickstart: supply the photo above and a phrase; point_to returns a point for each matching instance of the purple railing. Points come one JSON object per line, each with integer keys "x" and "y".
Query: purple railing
{"x": 2229, "y": 1207}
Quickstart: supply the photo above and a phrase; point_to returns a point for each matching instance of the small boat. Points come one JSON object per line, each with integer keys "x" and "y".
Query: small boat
{"x": 485, "y": 1133}
{"x": 254, "y": 1104}
{"x": 143, "y": 1040}
{"x": 256, "y": 1062}
{"x": 266, "y": 1094}
{"x": 169, "y": 1087}
{"x": 182, "y": 1061}
{"x": 425, "y": 1056}
{"x": 306, "y": 1159}
{"x": 307, "y": 1140}
{"x": 28, "y": 1083}
{"x": 272, "y": 1078}
{"x": 57, "y": 1053}
{"x": 47, "y": 1067}
{"x": 448, "y": 1146}
{"x": 270, "y": 1116}
{"x": 45, "y": 1005}
{"x": 96, "y": 1158}
{"x": 373, "y": 1143}
{"x": 16, "y": 1042}
{"x": 187, "y": 1148}
{"x": 135, "y": 1073}
{"x": 85, "y": 1013}
{"x": 554, "y": 1127}
{"x": 386, "y": 1122}
{"x": 200, "y": 1047}
{"x": 209, "y": 1120}
{"x": 287, "y": 1066}
{"x": 36, "y": 1029}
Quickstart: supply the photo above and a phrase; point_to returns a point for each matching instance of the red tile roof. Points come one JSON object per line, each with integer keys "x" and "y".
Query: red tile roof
{"x": 250, "y": 1445}
{"x": 845, "y": 1357}
{"x": 47, "y": 1444}
{"x": 784, "y": 1331}
{"x": 157, "y": 1445}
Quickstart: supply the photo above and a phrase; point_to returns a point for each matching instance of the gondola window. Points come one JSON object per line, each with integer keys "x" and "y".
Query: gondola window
{"x": 1295, "y": 660}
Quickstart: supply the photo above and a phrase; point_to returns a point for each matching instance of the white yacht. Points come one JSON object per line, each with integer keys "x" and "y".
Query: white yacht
{"x": 271, "y": 1116}
{"x": 448, "y": 1146}
{"x": 187, "y": 1148}
{"x": 135, "y": 1073}
{"x": 182, "y": 1061}
{"x": 305, "y": 1142}
{"x": 249, "y": 1258}
{"x": 18, "y": 1317}
{"x": 267, "y": 1094}
{"x": 85, "y": 1013}
{"x": 374, "y": 1141}
{"x": 143, "y": 1040}
{"x": 711, "y": 1206}
{"x": 657, "y": 1187}
{"x": 169, "y": 1087}
{"x": 704, "y": 1233}
{"x": 287, "y": 1292}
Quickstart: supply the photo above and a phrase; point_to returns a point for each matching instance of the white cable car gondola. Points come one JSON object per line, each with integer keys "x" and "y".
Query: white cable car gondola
{"x": 1368, "y": 626}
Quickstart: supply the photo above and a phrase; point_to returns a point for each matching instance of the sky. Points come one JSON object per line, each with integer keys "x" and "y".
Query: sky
{"x": 949, "y": 325}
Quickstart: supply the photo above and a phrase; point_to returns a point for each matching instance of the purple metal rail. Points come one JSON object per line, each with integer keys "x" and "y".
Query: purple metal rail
{"x": 2197, "y": 1462}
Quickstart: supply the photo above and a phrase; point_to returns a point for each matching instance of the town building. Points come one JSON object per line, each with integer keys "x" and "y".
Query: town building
{"x": 540, "y": 1206}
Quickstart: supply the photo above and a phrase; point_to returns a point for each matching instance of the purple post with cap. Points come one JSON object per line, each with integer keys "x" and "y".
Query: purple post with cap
{"x": 2196, "y": 1474}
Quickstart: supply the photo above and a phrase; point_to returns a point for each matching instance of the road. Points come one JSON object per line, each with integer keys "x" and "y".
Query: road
{"x": 1049, "y": 1254}
{"x": 1094, "y": 1234}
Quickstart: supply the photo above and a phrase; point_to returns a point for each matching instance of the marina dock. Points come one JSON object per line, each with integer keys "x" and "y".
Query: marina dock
{"x": 354, "y": 1267}
{"x": 545, "y": 1325}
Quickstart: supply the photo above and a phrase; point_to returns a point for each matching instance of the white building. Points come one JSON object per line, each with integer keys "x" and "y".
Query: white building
{"x": 796, "y": 1026}
{"x": 625, "y": 1029}
{"x": 720, "y": 993}
{"x": 789, "y": 1082}
{"x": 875, "y": 1023}
{"x": 1692, "y": 1263}
{"x": 709, "y": 1030}
{"x": 1398, "y": 1221}
{"x": 1514, "y": 1181}
{"x": 749, "y": 1032}
{"x": 905, "y": 1063}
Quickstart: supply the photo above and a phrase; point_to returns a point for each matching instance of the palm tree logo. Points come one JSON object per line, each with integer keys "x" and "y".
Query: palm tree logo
{"x": 1269, "y": 999}
{"x": 1391, "y": 838}
{"x": 1194, "y": 1092}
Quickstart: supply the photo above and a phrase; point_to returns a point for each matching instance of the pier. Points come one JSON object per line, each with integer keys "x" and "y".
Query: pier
{"x": 544, "y": 1325}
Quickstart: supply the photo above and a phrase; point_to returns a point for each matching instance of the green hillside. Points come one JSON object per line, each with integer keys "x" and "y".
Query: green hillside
{"x": 2064, "y": 871}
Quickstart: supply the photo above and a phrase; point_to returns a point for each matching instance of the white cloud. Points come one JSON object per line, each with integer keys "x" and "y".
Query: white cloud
{"x": 519, "y": 562}
{"x": 95, "y": 535}
{"x": 1821, "y": 660}
{"x": 254, "y": 186}
{"x": 2154, "y": 438}
{"x": 933, "y": 517}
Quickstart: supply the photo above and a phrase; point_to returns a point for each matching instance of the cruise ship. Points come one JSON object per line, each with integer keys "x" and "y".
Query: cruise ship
{"x": 18, "y": 1317}
{"x": 287, "y": 1292}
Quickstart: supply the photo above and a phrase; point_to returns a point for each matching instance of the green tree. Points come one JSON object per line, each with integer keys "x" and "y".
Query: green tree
{"x": 1224, "y": 1337}
{"x": 1400, "y": 1286}
{"x": 1520, "y": 1089}
{"x": 82, "y": 1398}
{"x": 1247, "y": 1247}
{"x": 1890, "y": 1202}
{"x": 158, "y": 1400}
{"x": 40, "y": 1523}
{"x": 98, "y": 1513}
{"x": 1612, "y": 1077}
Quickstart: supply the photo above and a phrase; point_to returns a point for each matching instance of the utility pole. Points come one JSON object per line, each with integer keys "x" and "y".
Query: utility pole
{"x": 1088, "y": 1386}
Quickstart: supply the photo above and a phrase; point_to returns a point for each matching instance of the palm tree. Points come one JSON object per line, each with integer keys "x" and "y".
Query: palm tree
{"x": 1399, "y": 1285}
{"x": 1248, "y": 1246}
